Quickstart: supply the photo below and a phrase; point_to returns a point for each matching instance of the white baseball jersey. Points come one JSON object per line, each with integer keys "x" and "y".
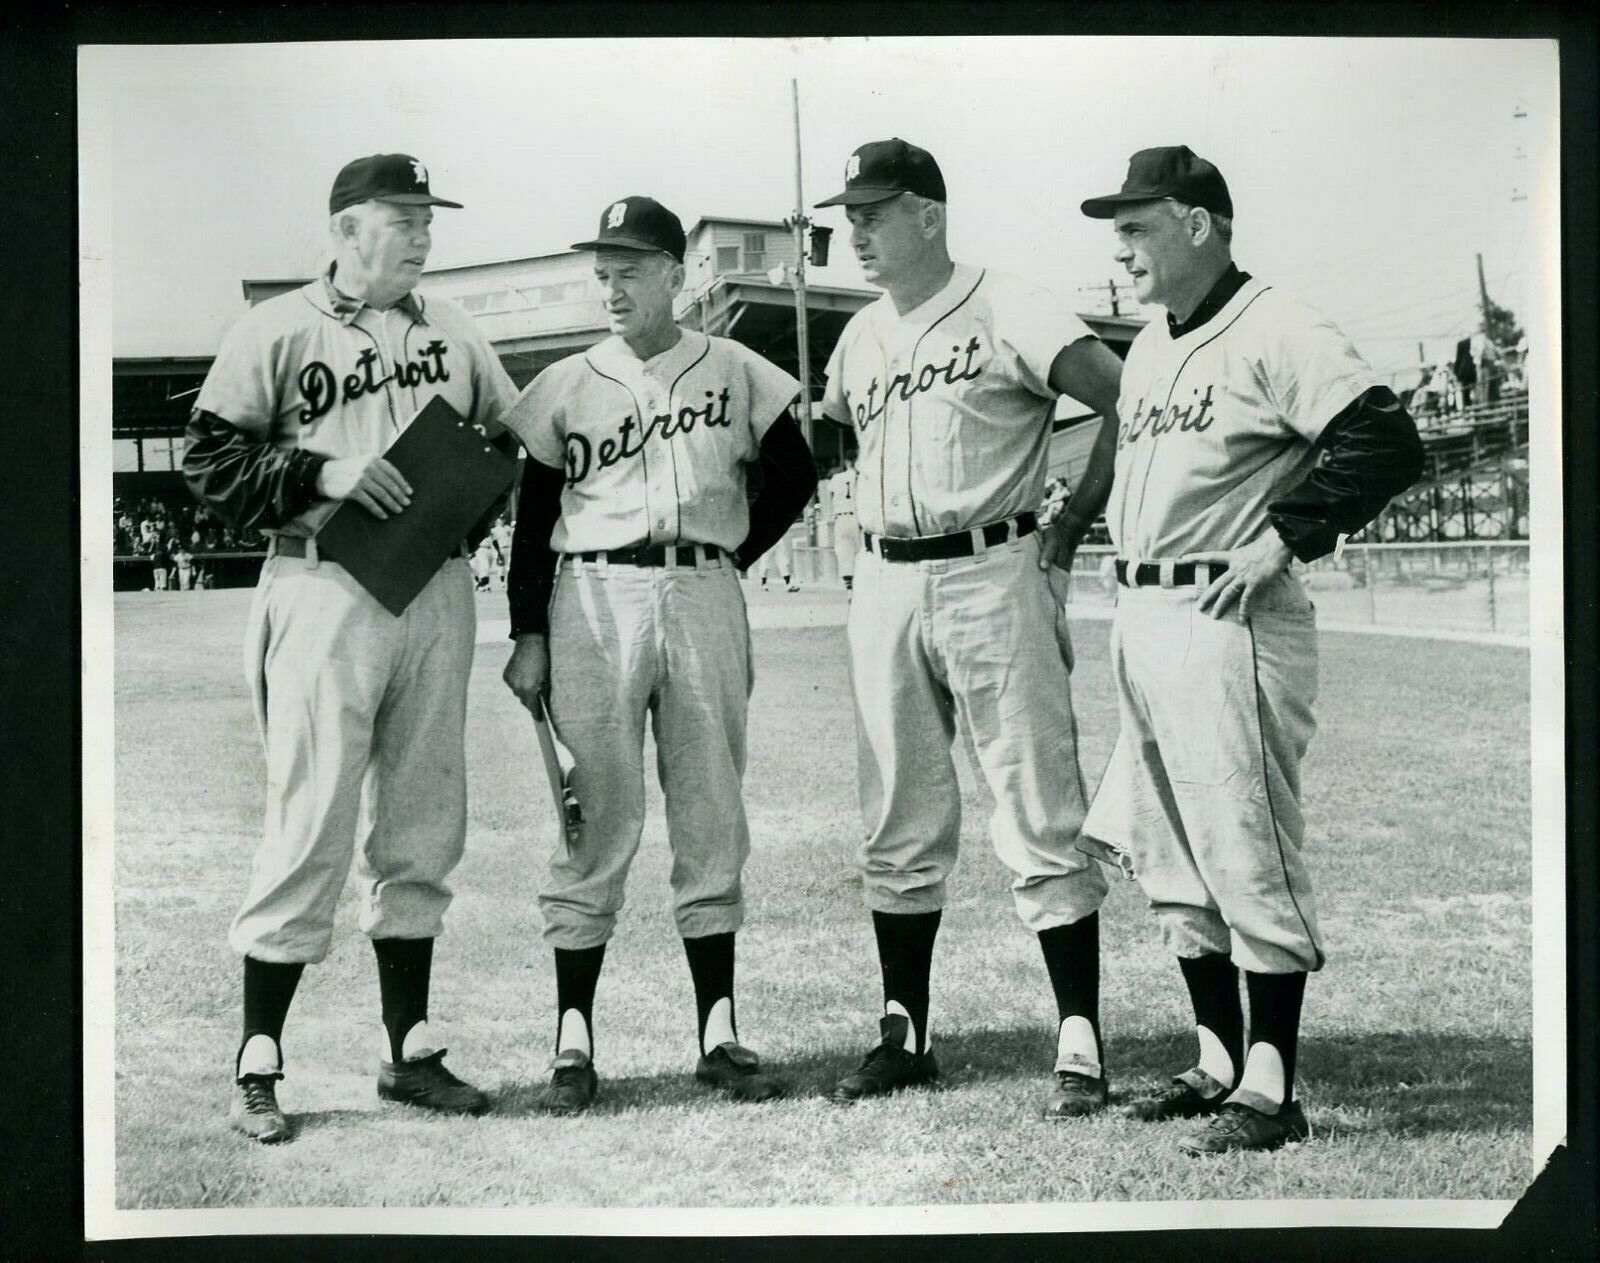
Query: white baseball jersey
{"x": 841, "y": 488}
{"x": 951, "y": 402}
{"x": 319, "y": 370}
{"x": 1218, "y": 423}
{"x": 654, "y": 450}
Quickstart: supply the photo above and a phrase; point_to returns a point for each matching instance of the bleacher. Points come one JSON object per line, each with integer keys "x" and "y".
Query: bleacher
{"x": 1474, "y": 484}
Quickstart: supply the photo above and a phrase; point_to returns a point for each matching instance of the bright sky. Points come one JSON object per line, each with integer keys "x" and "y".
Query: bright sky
{"x": 1366, "y": 174}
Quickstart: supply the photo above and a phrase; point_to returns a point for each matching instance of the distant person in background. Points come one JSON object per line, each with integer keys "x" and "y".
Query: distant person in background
{"x": 183, "y": 561}
{"x": 1465, "y": 371}
{"x": 779, "y": 558}
{"x": 842, "y": 508}
{"x": 1491, "y": 369}
{"x": 1444, "y": 387}
{"x": 483, "y": 564}
{"x": 160, "y": 564}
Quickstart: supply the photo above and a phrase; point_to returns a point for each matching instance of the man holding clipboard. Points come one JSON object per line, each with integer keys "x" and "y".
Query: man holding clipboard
{"x": 360, "y": 691}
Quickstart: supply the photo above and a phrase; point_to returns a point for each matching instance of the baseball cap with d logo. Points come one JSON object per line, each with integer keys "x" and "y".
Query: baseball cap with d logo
{"x": 388, "y": 177}
{"x": 638, "y": 223}
{"x": 1174, "y": 171}
{"x": 882, "y": 169}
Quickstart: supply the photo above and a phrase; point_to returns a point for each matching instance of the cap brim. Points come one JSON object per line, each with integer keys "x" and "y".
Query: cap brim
{"x": 1106, "y": 207}
{"x": 621, "y": 243}
{"x": 860, "y": 197}
{"x": 418, "y": 199}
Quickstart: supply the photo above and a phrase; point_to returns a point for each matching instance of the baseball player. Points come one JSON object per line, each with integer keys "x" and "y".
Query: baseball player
{"x": 362, "y": 712}
{"x": 632, "y": 527}
{"x": 842, "y": 509}
{"x": 949, "y": 381}
{"x": 1251, "y": 433}
{"x": 780, "y": 559}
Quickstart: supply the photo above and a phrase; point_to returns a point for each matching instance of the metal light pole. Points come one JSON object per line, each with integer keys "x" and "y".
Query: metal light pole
{"x": 800, "y": 224}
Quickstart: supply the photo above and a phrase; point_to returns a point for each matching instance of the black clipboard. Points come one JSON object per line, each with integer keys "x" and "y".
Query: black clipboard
{"x": 455, "y": 474}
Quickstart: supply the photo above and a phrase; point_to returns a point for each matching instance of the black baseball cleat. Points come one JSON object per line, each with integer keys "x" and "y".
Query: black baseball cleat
{"x": 1239, "y": 1127}
{"x": 424, "y": 1082}
{"x": 1192, "y": 1094}
{"x": 255, "y": 1110}
{"x": 1073, "y": 1095}
{"x": 888, "y": 1067}
{"x": 573, "y": 1084}
{"x": 736, "y": 1070}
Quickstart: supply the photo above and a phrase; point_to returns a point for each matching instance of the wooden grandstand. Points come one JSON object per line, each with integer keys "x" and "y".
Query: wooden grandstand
{"x": 1475, "y": 483}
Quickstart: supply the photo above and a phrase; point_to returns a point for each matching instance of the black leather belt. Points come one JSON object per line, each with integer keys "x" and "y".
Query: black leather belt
{"x": 957, "y": 544}
{"x": 656, "y": 555}
{"x": 1147, "y": 574}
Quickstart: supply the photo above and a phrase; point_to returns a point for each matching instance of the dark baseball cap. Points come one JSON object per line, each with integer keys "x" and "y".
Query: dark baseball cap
{"x": 882, "y": 169}
{"x": 1173, "y": 171}
{"x": 389, "y": 177}
{"x": 638, "y": 223}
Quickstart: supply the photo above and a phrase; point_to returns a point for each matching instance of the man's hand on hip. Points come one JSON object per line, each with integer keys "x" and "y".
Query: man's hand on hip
{"x": 1059, "y": 545}
{"x": 1249, "y": 568}
{"x": 372, "y": 482}
{"x": 527, "y": 674}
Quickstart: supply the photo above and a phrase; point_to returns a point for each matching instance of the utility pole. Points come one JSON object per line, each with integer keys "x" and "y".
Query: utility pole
{"x": 801, "y": 223}
{"x": 1483, "y": 297}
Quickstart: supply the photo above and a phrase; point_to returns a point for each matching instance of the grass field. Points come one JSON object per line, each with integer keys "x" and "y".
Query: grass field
{"x": 1415, "y": 1067}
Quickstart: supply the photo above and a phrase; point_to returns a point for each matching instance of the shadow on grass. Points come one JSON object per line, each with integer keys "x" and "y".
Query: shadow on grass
{"x": 1387, "y": 1082}
{"x": 317, "y": 1120}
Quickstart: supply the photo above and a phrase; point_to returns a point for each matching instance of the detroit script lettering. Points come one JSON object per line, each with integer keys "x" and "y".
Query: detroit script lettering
{"x": 584, "y": 457}
{"x": 916, "y": 382}
{"x": 1157, "y": 420}
{"x": 319, "y": 386}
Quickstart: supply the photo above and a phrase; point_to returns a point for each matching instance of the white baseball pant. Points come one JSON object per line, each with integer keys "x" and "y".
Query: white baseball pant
{"x": 846, "y": 543}
{"x": 1203, "y": 787}
{"x": 984, "y": 639}
{"x": 673, "y": 642}
{"x": 364, "y": 717}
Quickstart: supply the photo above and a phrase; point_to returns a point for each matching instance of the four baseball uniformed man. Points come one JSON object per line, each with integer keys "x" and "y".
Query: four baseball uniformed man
{"x": 949, "y": 382}
{"x": 1250, "y": 433}
{"x": 625, "y": 601}
{"x": 1244, "y": 431}
{"x": 363, "y": 713}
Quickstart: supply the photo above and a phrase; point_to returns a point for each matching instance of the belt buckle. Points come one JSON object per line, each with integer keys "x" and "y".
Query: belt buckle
{"x": 1167, "y": 579}
{"x": 980, "y": 544}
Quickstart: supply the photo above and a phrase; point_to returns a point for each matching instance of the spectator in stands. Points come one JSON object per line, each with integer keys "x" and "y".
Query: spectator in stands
{"x": 1424, "y": 395}
{"x": 1465, "y": 371}
{"x": 1445, "y": 388}
{"x": 1491, "y": 372}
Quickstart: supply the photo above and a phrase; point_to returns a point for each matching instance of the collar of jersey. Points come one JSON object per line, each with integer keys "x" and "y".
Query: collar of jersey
{"x": 935, "y": 305}
{"x": 1211, "y": 306}
{"x": 616, "y": 357}
{"x": 343, "y": 308}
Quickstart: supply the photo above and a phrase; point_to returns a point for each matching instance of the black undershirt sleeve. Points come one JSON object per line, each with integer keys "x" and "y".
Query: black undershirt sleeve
{"x": 1369, "y": 453}
{"x": 533, "y": 565}
{"x": 245, "y": 482}
{"x": 788, "y": 479}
